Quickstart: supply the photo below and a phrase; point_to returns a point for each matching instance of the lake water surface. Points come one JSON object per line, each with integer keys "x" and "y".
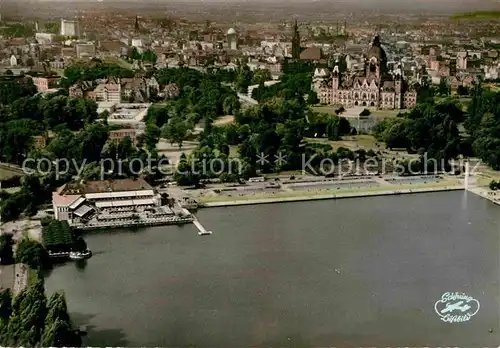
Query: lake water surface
{"x": 351, "y": 272}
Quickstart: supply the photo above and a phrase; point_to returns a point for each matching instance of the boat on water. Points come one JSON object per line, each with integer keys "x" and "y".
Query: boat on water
{"x": 80, "y": 255}
{"x": 205, "y": 233}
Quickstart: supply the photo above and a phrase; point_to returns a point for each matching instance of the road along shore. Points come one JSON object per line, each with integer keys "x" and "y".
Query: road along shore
{"x": 248, "y": 200}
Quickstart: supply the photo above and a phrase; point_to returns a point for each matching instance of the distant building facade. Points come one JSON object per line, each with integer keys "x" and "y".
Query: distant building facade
{"x": 375, "y": 87}
{"x": 69, "y": 28}
{"x": 85, "y": 50}
{"x": 120, "y": 134}
{"x": 43, "y": 84}
{"x": 232, "y": 39}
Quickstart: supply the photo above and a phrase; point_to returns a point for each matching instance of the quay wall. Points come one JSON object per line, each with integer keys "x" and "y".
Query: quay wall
{"x": 128, "y": 224}
{"x": 328, "y": 196}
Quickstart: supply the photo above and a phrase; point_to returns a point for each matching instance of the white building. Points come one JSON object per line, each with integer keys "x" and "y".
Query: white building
{"x": 108, "y": 92}
{"x": 129, "y": 115}
{"x": 136, "y": 42}
{"x": 76, "y": 201}
{"x": 44, "y": 38}
{"x": 69, "y": 28}
{"x": 85, "y": 50}
{"x": 13, "y": 60}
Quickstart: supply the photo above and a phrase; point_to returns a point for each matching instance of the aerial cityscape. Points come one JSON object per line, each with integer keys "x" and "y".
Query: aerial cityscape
{"x": 249, "y": 174}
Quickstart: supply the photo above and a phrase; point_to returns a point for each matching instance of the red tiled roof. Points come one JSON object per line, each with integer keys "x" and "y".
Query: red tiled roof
{"x": 100, "y": 186}
{"x": 63, "y": 200}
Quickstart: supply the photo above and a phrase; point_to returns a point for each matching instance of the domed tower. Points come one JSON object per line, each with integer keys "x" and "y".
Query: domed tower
{"x": 232, "y": 39}
{"x": 376, "y": 65}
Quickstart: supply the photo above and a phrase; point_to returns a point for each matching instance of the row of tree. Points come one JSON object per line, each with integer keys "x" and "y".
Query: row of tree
{"x": 483, "y": 125}
{"x": 57, "y": 236}
{"x": 29, "y": 319}
{"x": 430, "y": 128}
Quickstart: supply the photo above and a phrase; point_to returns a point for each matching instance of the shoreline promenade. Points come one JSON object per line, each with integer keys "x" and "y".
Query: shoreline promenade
{"x": 268, "y": 200}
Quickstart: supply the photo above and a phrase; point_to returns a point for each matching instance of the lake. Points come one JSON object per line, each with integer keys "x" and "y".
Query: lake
{"x": 349, "y": 272}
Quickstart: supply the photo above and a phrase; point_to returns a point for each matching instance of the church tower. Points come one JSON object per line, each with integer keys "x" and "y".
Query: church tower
{"x": 136, "y": 26}
{"x": 296, "y": 42}
{"x": 376, "y": 65}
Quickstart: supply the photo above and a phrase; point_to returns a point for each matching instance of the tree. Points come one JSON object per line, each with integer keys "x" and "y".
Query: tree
{"x": 312, "y": 98}
{"x": 261, "y": 76}
{"x": 444, "y": 88}
{"x": 151, "y": 137}
{"x": 244, "y": 79}
{"x": 186, "y": 174}
{"x": 231, "y": 105}
{"x": 462, "y": 90}
{"x": 149, "y": 56}
{"x": 365, "y": 112}
{"x": 175, "y": 131}
{"x": 6, "y": 252}
{"x": 33, "y": 254}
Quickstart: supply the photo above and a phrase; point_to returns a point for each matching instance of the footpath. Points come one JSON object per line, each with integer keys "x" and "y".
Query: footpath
{"x": 331, "y": 196}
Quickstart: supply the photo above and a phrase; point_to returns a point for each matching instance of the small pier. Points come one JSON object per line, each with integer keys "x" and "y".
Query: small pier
{"x": 201, "y": 230}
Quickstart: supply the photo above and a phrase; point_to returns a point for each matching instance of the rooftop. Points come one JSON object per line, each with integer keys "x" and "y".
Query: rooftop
{"x": 101, "y": 186}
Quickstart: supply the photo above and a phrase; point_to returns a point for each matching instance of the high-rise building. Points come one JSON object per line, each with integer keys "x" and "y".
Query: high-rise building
{"x": 69, "y": 28}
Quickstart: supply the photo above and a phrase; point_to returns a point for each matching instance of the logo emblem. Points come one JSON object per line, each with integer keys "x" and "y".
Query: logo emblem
{"x": 456, "y": 307}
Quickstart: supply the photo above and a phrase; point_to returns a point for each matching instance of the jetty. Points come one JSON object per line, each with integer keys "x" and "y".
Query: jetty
{"x": 201, "y": 230}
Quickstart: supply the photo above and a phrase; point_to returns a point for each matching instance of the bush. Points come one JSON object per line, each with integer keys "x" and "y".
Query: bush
{"x": 340, "y": 110}
{"x": 365, "y": 112}
{"x": 6, "y": 252}
{"x": 494, "y": 185}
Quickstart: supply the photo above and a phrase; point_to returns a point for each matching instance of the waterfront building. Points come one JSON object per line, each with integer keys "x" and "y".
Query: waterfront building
{"x": 375, "y": 87}
{"x": 77, "y": 202}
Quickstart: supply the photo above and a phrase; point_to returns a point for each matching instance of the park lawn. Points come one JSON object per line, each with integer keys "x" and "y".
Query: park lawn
{"x": 493, "y": 87}
{"x": 353, "y": 142}
{"x": 386, "y": 113}
{"x": 7, "y": 172}
{"x": 12, "y": 190}
{"x": 224, "y": 120}
{"x": 329, "y": 109}
{"x": 160, "y": 104}
{"x": 319, "y": 193}
{"x": 487, "y": 175}
{"x": 120, "y": 62}
{"x": 233, "y": 151}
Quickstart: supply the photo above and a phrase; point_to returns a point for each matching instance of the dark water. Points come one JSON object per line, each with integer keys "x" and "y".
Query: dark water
{"x": 354, "y": 272}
